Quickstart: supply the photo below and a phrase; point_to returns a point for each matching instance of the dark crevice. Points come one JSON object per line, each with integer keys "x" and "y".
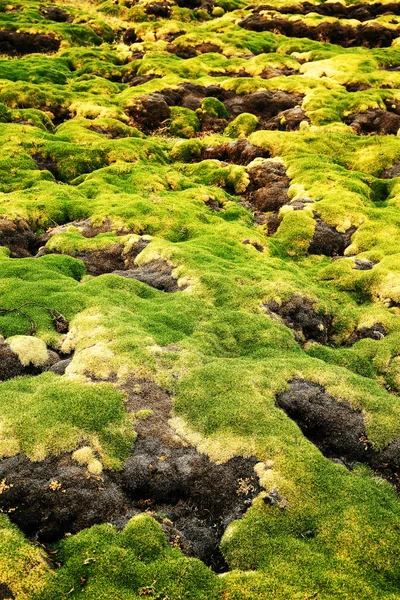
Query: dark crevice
{"x": 13, "y": 42}
{"x": 18, "y": 238}
{"x": 255, "y": 245}
{"x": 193, "y": 498}
{"x": 374, "y": 121}
{"x": 11, "y": 366}
{"x": 337, "y": 429}
{"x": 300, "y": 314}
{"x": 328, "y": 240}
{"x": 375, "y": 332}
{"x": 238, "y": 152}
{"x": 276, "y": 109}
{"x": 45, "y": 163}
{"x": 360, "y": 11}
{"x": 375, "y": 36}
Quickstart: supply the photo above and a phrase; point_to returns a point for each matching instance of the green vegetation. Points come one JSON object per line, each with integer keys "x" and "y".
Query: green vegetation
{"x": 71, "y": 152}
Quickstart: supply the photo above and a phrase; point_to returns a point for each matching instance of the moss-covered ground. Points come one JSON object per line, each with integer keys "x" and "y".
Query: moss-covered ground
{"x": 87, "y": 136}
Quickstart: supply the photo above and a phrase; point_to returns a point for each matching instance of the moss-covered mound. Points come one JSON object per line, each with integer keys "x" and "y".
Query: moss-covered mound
{"x": 199, "y": 300}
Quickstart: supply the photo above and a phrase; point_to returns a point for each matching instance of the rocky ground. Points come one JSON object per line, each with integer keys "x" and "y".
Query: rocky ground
{"x": 199, "y": 300}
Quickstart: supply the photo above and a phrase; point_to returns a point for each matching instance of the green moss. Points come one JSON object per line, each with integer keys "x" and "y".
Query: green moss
{"x": 184, "y": 122}
{"x": 69, "y": 112}
{"x": 24, "y": 567}
{"x": 5, "y": 114}
{"x": 242, "y": 126}
{"x": 44, "y": 415}
{"x": 214, "y": 108}
{"x": 132, "y": 563}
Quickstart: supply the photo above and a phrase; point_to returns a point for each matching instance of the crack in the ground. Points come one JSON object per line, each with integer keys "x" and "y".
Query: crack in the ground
{"x": 193, "y": 498}
{"x": 337, "y": 429}
{"x": 376, "y": 36}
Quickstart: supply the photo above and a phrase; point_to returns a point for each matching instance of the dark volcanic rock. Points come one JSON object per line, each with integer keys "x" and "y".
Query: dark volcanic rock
{"x": 60, "y": 366}
{"x": 362, "y": 264}
{"x": 391, "y": 172}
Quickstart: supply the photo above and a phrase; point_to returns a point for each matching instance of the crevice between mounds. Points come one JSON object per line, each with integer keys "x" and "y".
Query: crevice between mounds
{"x": 337, "y": 429}
{"x": 192, "y": 498}
{"x": 275, "y": 109}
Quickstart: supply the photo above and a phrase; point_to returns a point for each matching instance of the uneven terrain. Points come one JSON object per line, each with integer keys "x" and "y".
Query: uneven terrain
{"x": 199, "y": 300}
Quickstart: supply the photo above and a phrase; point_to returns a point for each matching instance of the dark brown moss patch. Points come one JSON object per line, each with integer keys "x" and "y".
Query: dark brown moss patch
{"x": 55, "y": 496}
{"x": 360, "y": 11}
{"x": 149, "y": 113}
{"x": 268, "y": 187}
{"x": 328, "y": 240}
{"x": 129, "y": 36}
{"x": 287, "y": 120}
{"x": 157, "y": 274}
{"x": 5, "y": 592}
{"x": 110, "y": 259}
{"x": 387, "y": 463}
{"x": 160, "y": 10}
{"x": 375, "y": 332}
{"x": 197, "y": 497}
{"x": 371, "y": 36}
{"x": 239, "y": 152}
{"x": 13, "y": 42}
{"x": 337, "y": 429}
{"x": 139, "y": 79}
{"x": 265, "y": 105}
{"x": 105, "y": 260}
{"x": 299, "y": 314}
{"x": 391, "y": 172}
{"x": 374, "y": 121}
{"x": 192, "y": 51}
{"x": 18, "y": 238}
{"x": 57, "y": 14}
{"x": 274, "y": 109}
{"x": 11, "y": 366}
{"x": 334, "y": 427}
{"x": 193, "y": 498}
